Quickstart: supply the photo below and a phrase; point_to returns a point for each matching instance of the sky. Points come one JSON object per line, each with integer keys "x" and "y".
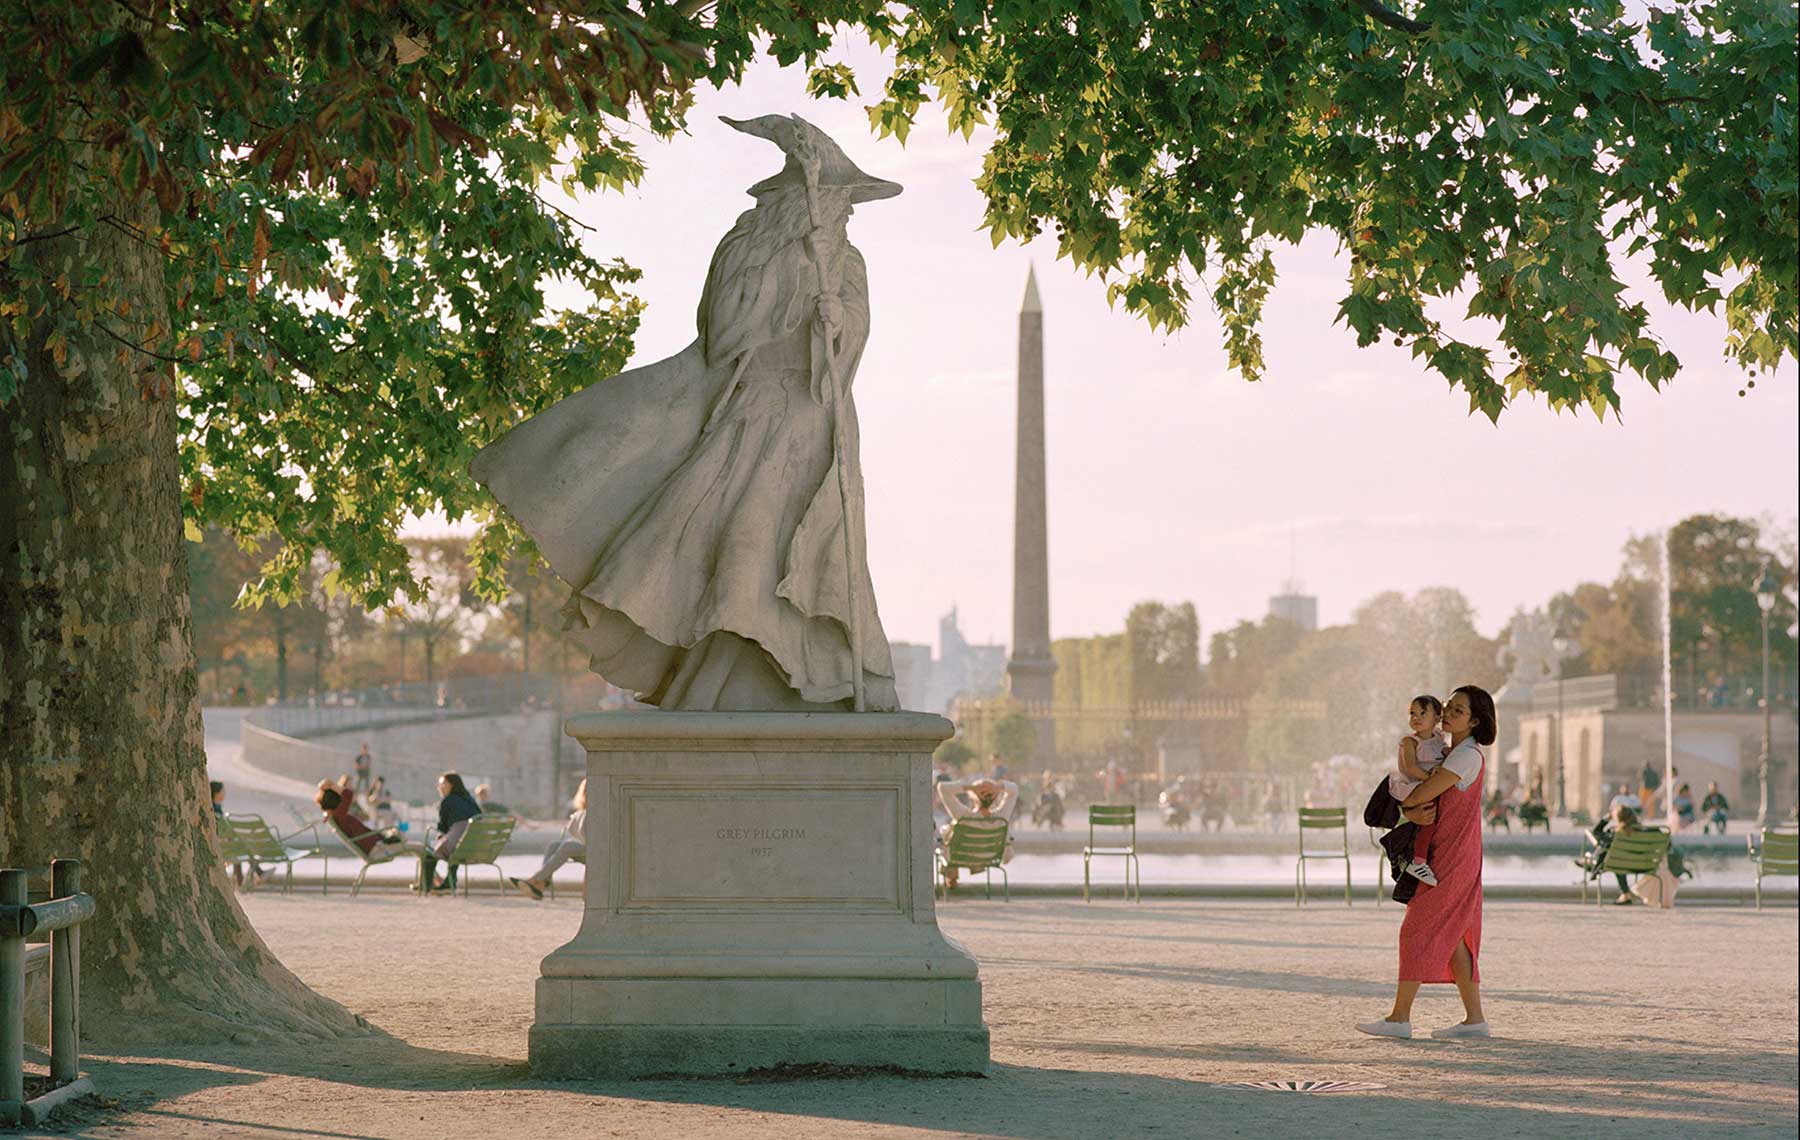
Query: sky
{"x": 1169, "y": 476}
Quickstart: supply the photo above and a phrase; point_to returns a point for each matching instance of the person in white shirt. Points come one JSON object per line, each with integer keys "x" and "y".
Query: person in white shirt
{"x": 978, "y": 798}
{"x": 572, "y": 845}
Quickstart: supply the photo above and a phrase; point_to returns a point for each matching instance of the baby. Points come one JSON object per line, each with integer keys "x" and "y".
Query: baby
{"x": 1421, "y": 751}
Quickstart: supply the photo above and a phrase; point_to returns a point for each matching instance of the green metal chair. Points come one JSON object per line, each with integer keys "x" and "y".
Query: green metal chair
{"x": 1637, "y": 852}
{"x": 1777, "y": 853}
{"x": 977, "y": 845}
{"x": 1120, "y": 820}
{"x": 381, "y": 853}
{"x": 1313, "y": 821}
{"x": 248, "y": 839}
{"x": 481, "y": 846}
{"x": 1534, "y": 815}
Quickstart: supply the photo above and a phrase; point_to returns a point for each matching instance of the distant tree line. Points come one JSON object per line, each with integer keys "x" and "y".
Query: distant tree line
{"x": 249, "y": 648}
{"x": 1110, "y": 687}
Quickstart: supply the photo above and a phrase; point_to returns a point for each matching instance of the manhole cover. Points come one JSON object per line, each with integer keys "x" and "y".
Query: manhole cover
{"x": 1305, "y": 1086}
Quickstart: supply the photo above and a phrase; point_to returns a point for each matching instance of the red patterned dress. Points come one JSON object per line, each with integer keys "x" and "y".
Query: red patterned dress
{"x": 1438, "y": 917}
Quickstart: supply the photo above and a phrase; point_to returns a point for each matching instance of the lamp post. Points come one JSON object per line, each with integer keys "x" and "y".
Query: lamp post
{"x": 1561, "y": 645}
{"x": 1767, "y": 590}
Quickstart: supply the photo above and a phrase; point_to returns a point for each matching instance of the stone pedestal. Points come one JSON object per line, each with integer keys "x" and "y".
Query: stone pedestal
{"x": 759, "y": 891}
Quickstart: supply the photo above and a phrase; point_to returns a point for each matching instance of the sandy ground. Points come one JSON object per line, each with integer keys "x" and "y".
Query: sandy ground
{"x": 1108, "y": 1020}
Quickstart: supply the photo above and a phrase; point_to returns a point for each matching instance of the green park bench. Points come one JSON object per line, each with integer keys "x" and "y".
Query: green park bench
{"x": 976, "y": 845}
{"x": 1775, "y": 852}
{"x": 482, "y": 845}
{"x": 1120, "y": 821}
{"x": 380, "y": 854}
{"x": 1313, "y": 823}
{"x": 249, "y": 839}
{"x": 1637, "y": 852}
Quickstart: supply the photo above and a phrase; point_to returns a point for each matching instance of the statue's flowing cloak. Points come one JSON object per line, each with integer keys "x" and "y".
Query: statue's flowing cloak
{"x": 698, "y": 496}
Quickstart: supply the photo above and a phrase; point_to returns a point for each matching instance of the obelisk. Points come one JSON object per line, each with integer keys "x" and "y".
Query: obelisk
{"x": 1030, "y": 672}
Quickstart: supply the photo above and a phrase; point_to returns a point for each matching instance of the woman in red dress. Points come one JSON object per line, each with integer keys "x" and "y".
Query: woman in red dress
{"x": 1440, "y": 940}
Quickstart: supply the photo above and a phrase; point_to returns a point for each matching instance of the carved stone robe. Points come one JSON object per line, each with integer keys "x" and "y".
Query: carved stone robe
{"x": 693, "y": 504}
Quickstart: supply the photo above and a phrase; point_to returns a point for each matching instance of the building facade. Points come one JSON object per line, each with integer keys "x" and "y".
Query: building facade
{"x": 960, "y": 670}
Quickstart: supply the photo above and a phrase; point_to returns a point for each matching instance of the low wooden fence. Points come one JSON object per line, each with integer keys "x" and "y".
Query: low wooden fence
{"x": 60, "y": 917}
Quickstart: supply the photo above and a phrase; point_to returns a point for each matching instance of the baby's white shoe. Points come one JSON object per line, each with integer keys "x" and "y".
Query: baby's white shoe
{"x": 1421, "y": 870}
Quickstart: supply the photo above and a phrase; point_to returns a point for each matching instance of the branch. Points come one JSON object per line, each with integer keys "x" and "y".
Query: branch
{"x": 132, "y": 231}
{"x": 17, "y": 242}
{"x": 102, "y": 326}
{"x": 543, "y": 201}
{"x": 1387, "y": 16}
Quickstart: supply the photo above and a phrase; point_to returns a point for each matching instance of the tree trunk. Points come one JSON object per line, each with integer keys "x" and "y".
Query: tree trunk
{"x": 101, "y": 746}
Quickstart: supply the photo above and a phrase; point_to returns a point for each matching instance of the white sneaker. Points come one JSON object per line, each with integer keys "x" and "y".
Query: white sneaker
{"x": 1421, "y": 870}
{"x": 1478, "y": 1029}
{"x": 1385, "y": 1028}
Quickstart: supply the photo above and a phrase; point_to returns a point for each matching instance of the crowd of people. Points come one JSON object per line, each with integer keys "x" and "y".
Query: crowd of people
{"x": 1206, "y": 803}
{"x": 360, "y": 808}
{"x": 1712, "y": 813}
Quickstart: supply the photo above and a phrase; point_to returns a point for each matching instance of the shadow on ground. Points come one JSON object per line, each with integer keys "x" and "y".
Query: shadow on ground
{"x": 1031, "y": 1102}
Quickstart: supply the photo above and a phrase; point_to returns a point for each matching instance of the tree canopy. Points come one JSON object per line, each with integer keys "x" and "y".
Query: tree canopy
{"x": 1715, "y": 620}
{"x": 345, "y": 196}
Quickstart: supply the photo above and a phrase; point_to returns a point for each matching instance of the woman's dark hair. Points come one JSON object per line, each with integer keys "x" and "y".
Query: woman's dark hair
{"x": 1481, "y": 711}
{"x": 457, "y": 787}
{"x": 217, "y": 787}
{"x": 1426, "y": 699}
{"x": 329, "y": 799}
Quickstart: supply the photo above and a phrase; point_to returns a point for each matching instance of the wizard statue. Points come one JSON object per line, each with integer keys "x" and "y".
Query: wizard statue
{"x": 706, "y": 510}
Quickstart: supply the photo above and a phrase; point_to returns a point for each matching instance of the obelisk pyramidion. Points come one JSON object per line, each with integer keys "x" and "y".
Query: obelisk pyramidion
{"x": 1030, "y": 672}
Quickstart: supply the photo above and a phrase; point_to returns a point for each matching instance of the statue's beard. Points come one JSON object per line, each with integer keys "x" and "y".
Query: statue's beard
{"x": 766, "y": 249}
{"x": 777, "y": 222}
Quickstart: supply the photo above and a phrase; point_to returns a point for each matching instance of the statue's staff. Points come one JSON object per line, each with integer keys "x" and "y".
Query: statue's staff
{"x": 816, "y": 238}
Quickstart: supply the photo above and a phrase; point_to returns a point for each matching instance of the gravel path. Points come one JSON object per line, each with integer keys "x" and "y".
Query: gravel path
{"x": 1108, "y": 1020}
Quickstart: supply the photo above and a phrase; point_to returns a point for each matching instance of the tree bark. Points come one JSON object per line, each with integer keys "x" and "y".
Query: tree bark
{"x": 101, "y": 745}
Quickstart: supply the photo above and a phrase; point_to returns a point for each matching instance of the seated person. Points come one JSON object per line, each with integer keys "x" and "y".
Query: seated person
{"x": 455, "y": 811}
{"x": 257, "y": 875}
{"x": 572, "y": 845}
{"x": 489, "y": 806}
{"x": 346, "y": 790}
{"x": 1622, "y": 821}
{"x": 975, "y": 800}
{"x": 1684, "y": 806}
{"x": 380, "y": 803}
{"x": 1716, "y": 807}
{"x": 336, "y": 803}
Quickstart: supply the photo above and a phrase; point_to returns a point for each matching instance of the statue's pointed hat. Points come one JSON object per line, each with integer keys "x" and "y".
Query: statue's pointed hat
{"x": 792, "y": 133}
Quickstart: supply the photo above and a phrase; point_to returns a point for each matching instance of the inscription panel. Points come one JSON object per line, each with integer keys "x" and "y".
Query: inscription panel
{"x": 831, "y": 847}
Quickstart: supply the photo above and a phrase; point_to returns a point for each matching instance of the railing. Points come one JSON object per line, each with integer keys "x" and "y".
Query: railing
{"x": 1212, "y": 709}
{"x": 61, "y": 917}
{"x": 347, "y": 710}
{"x": 1598, "y": 692}
{"x": 409, "y": 778}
